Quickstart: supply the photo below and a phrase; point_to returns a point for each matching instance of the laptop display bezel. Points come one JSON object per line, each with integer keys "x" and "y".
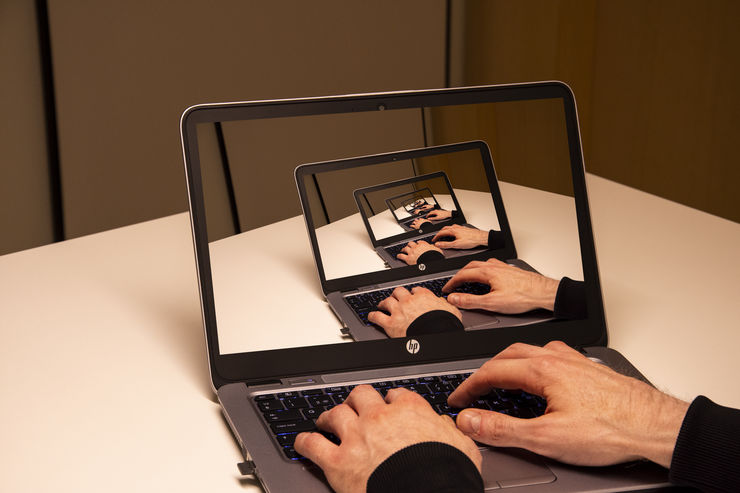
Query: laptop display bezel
{"x": 274, "y": 365}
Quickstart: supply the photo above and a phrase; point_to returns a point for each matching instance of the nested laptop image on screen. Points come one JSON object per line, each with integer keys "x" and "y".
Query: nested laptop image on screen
{"x": 255, "y": 222}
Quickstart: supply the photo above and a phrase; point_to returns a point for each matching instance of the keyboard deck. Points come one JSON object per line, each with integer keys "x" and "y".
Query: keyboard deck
{"x": 364, "y": 303}
{"x": 394, "y": 250}
{"x": 289, "y": 413}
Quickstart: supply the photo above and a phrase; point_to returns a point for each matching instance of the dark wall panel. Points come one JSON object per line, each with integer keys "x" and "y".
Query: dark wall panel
{"x": 125, "y": 72}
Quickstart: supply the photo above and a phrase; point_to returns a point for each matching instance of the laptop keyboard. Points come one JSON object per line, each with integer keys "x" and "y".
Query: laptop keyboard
{"x": 394, "y": 250}
{"x": 290, "y": 413}
{"x": 364, "y": 303}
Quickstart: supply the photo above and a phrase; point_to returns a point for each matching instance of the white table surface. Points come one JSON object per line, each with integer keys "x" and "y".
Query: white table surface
{"x": 103, "y": 372}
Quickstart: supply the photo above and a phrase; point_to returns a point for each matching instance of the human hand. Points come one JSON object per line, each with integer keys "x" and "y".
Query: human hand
{"x": 372, "y": 429}
{"x": 465, "y": 237}
{"x": 413, "y": 250}
{"x": 417, "y": 223}
{"x": 594, "y": 416}
{"x": 404, "y": 307}
{"x": 439, "y": 214}
{"x": 513, "y": 290}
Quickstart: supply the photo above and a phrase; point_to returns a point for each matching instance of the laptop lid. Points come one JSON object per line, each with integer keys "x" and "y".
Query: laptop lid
{"x": 324, "y": 187}
{"x": 239, "y": 161}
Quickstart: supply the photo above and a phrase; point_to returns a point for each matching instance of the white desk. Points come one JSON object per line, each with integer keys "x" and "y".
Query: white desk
{"x": 248, "y": 269}
{"x": 102, "y": 364}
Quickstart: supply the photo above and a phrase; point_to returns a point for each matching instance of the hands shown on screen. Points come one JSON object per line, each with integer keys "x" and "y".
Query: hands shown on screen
{"x": 404, "y": 307}
{"x": 513, "y": 290}
{"x": 439, "y": 215}
{"x": 371, "y": 429}
{"x": 594, "y": 415}
{"x": 416, "y": 223}
{"x": 414, "y": 249}
{"x": 464, "y": 237}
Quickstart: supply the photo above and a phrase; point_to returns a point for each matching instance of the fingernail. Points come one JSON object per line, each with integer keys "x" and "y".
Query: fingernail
{"x": 469, "y": 422}
{"x": 452, "y": 298}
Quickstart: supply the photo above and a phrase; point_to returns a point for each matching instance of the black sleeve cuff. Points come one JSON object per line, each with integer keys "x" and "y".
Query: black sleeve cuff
{"x": 425, "y": 224}
{"x": 707, "y": 453}
{"x": 429, "y": 256}
{"x": 434, "y": 322}
{"x": 496, "y": 240}
{"x": 426, "y": 467}
{"x": 570, "y": 300}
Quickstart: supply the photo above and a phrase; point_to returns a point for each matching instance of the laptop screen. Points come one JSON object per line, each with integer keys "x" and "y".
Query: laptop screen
{"x": 259, "y": 263}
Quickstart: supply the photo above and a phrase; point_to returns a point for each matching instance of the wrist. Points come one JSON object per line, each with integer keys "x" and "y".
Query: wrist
{"x": 543, "y": 296}
{"x": 481, "y": 237}
{"x": 655, "y": 436}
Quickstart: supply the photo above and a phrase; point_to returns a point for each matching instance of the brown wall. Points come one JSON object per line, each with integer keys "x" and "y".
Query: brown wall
{"x": 656, "y": 84}
{"x": 25, "y": 204}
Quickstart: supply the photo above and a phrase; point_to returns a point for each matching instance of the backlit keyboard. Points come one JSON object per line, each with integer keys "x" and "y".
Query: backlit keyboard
{"x": 289, "y": 413}
{"x": 364, "y": 303}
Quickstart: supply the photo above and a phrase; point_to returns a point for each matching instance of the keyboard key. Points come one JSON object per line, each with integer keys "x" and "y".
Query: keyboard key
{"x": 270, "y": 405}
{"x": 312, "y": 412}
{"x": 293, "y": 426}
{"x": 287, "y": 438}
{"x": 320, "y": 400}
{"x": 287, "y": 415}
{"x": 308, "y": 392}
{"x": 295, "y": 402}
{"x": 291, "y": 454}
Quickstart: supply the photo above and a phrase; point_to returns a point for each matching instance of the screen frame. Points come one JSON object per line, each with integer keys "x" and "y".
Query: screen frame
{"x": 304, "y": 171}
{"x": 270, "y": 366}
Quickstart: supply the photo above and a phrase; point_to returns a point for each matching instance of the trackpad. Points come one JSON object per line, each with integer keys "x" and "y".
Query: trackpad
{"x": 505, "y": 467}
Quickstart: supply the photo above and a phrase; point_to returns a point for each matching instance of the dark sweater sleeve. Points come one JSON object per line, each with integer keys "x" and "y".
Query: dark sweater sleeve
{"x": 429, "y": 256}
{"x": 434, "y": 322}
{"x": 426, "y": 467}
{"x": 707, "y": 453}
{"x": 570, "y": 300}
{"x": 496, "y": 240}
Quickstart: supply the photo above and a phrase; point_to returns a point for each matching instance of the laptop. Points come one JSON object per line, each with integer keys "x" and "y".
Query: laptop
{"x": 416, "y": 213}
{"x": 276, "y": 354}
{"x": 461, "y": 170}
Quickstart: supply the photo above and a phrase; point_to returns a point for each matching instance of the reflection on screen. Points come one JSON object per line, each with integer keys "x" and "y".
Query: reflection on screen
{"x": 366, "y": 211}
{"x": 264, "y": 277}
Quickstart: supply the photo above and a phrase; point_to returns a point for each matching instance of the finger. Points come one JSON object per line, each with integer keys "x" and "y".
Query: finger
{"x": 468, "y": 301}
{"x": 380, "y": 319}
{"x": 494, "y": 428}
{"x": 364, "y": 398}
{"x": 472, "y": 274}
{"x": 446, "y": 244}
{"x": 316, "y": 448}
{"x": 338, "y": 420}
{"x": 520, "y": 350}
{"x": 400, "y": 293}
{"x": 421, "y": 290}
{"x": 404, "y": 395}
{"x": 446, "y": 231}
{"x": 402, "y": 257}
{"x": 388, "y": 304}
{"x": 500, "y": 373}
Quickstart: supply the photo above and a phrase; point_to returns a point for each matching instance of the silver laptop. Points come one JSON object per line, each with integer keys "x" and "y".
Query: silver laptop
{"x": 461, "y": 172}
{"x": 276, "y": 355}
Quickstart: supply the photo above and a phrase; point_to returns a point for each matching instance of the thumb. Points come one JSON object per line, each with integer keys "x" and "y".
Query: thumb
{"x": 465, "y": 300}
{"x": 492, "y": 428}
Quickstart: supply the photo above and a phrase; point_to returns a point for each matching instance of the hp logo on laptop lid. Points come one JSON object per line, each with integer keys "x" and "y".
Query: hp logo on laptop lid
{"x": 412, "y": 346}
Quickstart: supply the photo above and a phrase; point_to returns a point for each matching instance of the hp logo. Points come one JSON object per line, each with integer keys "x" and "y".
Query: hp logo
{"x": 412, "y": 346}
{"x": 422, "y": 267}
